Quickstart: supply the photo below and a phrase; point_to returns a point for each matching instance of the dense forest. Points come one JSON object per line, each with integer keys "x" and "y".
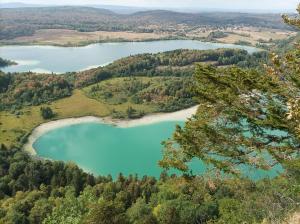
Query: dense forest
{"x": 25, "y": 21}
{"x": 246, "y": 113}
{"x": 17, "y": 90}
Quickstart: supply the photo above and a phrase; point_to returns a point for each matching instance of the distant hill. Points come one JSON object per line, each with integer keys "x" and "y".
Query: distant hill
{"x": 120, "y": 9}
{"x": 13, "y": 5}
{"x": 115, "y": 8}
{"x": 17, "y": 22}
{"x": 213, "y": 18}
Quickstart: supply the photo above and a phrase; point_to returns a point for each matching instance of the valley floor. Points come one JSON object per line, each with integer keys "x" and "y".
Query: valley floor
{"x": 68, "y": 38}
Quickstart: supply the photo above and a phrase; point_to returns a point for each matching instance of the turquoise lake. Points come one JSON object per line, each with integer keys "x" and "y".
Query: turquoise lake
{"x": 68, "y": 59}
{"x": 104, "y": 149}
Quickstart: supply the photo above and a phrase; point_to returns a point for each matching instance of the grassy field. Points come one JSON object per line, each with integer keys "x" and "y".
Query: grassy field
{"x": 14, "y": 127}
{"x": 63, "y": 37}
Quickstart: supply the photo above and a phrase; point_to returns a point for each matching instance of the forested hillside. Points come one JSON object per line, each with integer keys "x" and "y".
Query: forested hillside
{"x": 177, "y": 63}
{"x": 165, "y": 94}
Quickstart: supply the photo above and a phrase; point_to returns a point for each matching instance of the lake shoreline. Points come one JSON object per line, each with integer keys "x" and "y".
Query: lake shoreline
{"x": 42, "y": 129}
{"x": 87, "y": 43}
{"x": 94, "y": 55}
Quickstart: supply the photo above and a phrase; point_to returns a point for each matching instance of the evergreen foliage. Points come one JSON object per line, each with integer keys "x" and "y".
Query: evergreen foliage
{"x": 245, "y": 117}
{"x": 46, "y": 112}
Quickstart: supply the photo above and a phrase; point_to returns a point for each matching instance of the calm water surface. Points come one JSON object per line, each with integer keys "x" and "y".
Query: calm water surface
{"x": 104, "y": 149}
{"x": 67, "y": 59}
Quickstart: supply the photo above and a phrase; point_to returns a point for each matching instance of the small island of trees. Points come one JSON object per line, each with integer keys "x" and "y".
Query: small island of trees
{"x": 5, "y": 62}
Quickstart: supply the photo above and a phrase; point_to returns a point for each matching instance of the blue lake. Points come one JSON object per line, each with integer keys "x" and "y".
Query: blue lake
{"x": 68, "y": 59}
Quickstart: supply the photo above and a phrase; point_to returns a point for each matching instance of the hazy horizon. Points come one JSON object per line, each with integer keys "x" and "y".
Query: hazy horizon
{"x": 194, "y": 5}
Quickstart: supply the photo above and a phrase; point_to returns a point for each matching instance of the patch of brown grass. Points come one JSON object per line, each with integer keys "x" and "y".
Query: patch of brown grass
{"x": 63, "y": 37}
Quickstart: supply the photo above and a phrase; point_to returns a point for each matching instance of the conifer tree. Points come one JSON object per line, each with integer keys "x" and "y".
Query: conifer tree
{"x": 244, "y": 117}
